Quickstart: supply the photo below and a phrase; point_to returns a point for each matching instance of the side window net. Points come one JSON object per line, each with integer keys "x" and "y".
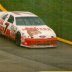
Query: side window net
{"x": 11, "y": 19}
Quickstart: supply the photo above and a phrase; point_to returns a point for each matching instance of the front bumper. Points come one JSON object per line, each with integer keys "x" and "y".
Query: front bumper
{"x": 40, "y": 43}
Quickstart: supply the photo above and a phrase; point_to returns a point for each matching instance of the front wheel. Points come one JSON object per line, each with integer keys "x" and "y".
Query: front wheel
{"x": 0, "y": 34}
{"x": 18, "y": 39}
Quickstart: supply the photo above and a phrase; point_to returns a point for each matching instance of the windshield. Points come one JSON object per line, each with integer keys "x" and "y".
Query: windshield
{"x": 28, "y": 21}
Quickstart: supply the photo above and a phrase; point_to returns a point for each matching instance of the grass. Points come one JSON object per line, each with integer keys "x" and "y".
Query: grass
{"x": 56, "y": 13}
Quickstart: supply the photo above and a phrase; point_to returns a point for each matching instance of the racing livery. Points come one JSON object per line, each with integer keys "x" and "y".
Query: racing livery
{"x": 27, "y": 29}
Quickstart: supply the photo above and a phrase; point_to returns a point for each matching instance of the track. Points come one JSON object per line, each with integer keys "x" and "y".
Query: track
{"x": 19, "y": 59}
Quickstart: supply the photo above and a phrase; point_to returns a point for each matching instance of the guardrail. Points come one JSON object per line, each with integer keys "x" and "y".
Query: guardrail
{"x": 65, "y": 41}
{"x": 2, "y": 8}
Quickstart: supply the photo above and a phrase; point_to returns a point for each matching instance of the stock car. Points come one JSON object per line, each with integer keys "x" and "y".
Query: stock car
{"x": 27, "y": 29}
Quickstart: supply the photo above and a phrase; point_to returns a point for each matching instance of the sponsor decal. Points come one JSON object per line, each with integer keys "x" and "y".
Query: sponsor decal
{"x": 36, "y": 28}
{"x": 1, "y": 22}
{"x": 16, "y": 13}
{"x": 1, "y": 28}
{"x": 13, "y": 28}
{"x": 42, "y": 36}
{"x": 41, "y": 41}
{"x": 33, "y": 32}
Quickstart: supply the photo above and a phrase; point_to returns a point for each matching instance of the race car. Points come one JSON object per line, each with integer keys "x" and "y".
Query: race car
{"x": 27, "y": 29}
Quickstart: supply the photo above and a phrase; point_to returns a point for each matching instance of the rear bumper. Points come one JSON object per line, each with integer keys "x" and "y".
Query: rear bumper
{"x": 40, "y": 43}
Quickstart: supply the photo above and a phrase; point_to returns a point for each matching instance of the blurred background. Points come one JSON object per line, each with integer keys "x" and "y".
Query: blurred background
{"x": 57, "y": 14}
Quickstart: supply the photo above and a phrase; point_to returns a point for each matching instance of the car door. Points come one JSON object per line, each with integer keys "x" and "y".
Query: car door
{"x": 7, "y": 25}
{"x": 10, "y": 26}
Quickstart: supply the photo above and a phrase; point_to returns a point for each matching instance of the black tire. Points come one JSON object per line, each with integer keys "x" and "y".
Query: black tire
{"x": 18, "y": 39}
{"x": 0, "y": 34}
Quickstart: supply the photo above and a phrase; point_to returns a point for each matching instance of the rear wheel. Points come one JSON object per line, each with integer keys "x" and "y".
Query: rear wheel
{"x": 18, "y": 39}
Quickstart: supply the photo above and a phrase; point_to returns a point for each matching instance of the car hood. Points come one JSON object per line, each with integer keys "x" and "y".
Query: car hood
{"x": 37, "y": 31}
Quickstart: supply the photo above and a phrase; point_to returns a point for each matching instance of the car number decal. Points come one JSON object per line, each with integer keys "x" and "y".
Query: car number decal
{"x": 7, "y": 24}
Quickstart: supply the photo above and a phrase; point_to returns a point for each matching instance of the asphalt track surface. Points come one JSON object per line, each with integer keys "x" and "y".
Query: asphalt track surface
{"x": 20, "y": 59}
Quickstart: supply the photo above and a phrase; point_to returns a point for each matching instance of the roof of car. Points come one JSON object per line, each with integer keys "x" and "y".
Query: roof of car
{"x": 22, "y": 14}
